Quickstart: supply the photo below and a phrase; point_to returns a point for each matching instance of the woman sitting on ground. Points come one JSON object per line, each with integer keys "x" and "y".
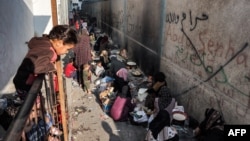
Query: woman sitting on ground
{"x": 104, "y": 58}
{"x": 118, "y": 62}
{"x": 162, "y": 91}
{"x": 104, "y": 43}
{"x": 160, "y": 128}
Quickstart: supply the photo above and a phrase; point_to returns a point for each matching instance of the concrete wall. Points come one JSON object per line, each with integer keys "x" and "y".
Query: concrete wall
{"x": 42, "y": 16}
{"x": 206, "y": 56}
{"x": 135, "y": 25}
{"x": 20, "y": 20}
{"x": 202, "y": 47}
{"x": 63, "y": 11}
{"x": 16, "y": 29}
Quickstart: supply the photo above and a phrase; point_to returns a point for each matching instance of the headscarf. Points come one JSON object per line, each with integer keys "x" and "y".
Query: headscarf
{"x": 122, "y": 73}
{"x": 165, "y": 97}
{"x": 83, "y": 50}
{"x": 105, "y": 56}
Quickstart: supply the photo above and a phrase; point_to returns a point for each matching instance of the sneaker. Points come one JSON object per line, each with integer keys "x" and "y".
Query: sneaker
{"x": 75, "y": 84}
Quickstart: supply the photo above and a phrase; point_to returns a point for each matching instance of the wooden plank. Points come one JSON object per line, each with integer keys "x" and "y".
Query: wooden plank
{"x": 59, "y": 75}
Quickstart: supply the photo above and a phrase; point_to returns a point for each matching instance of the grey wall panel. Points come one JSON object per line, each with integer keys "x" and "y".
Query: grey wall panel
{"x": 204, "y": 51}
{"x": 206, "y": 56}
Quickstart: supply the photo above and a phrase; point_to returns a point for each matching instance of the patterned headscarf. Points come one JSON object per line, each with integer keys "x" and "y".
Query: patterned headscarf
{"x": 165, "y": 97}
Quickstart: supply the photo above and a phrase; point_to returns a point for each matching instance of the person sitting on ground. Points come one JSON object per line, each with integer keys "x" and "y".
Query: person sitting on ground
{"x": 150, "y": 99}
{"x": 41, "y": 56}
{"x": 104, "y": 58}
{"x": 162, "y": 103}
{"x": 163, "y": 97}
{"x": 99, "y": 70}
{"x": 70, "y": 70}
{"x": 122, "y": 56}
{"x": 104, "y": 43}
{"x": 148, "y": 82}
{"x": 212, "y": 126}
{"x": 97, "y": 44}
{"x": 121, "y": 80}
{"x": 118, "y": 62}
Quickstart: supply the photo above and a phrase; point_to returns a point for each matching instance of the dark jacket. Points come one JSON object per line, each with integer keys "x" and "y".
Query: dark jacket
{"x": 38, "y": 60}
{"x": 104, "y": 64}
{"x": 161, "y": 120}
{"x": 116, "y": 65}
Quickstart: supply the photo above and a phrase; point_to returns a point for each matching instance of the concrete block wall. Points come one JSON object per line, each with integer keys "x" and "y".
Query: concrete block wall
{"x": 202, "y": 47}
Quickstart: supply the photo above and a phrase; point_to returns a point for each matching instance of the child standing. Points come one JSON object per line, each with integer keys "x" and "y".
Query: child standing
{"x": 86, "y": 78}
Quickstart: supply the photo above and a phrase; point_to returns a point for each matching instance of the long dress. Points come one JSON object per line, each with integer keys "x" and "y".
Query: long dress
{"x": 82, "y": 55}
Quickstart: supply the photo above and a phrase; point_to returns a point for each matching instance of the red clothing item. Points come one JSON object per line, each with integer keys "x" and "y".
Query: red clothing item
{"x": 69, "y": 69}
{"x": 77, "y": 26}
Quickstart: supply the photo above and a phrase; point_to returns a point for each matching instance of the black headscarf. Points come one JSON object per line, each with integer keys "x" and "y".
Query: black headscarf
{"x": 165, "y": 97}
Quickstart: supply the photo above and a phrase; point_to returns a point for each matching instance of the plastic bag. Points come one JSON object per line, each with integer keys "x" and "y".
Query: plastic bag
{"x": 140, "y": 116}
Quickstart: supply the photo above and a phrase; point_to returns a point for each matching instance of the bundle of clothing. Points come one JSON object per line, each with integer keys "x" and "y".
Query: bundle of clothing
{"x": 212, "y": 127}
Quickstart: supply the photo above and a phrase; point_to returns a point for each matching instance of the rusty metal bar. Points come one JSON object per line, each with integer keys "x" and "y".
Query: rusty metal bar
{"x": 16, "y": 127}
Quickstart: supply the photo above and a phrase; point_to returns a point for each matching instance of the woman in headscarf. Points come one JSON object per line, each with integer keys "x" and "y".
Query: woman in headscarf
{"x": 83, "y": 53}
{"x": 162, "y": 91}
{"x": 104, "y": 58}
{"x": 160, "y": 128}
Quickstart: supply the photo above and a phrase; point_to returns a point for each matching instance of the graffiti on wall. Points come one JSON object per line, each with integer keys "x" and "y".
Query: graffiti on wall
{"x": 211, "y": 56}
{"x": 133, "y": 23}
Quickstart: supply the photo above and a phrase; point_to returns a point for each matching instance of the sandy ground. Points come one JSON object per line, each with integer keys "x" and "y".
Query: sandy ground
{"x": 88, "y": 122}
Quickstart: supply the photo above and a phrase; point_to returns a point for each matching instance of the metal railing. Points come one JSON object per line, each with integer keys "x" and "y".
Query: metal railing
{"x": 16, "y": 127}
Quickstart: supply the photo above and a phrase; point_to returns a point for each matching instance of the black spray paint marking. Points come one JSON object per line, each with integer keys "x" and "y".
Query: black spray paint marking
{"x": 221, "y": 67}
{"x": 204, "y": 17}
{"x": 202, "y": 62}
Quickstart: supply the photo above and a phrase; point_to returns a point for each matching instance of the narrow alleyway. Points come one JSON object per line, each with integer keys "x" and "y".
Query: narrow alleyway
{"x": 88, "y": 122}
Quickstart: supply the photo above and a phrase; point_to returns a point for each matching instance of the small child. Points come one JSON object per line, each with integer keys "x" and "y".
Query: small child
{"x": 86, "y": 78}
{"x": 71, "y": 72}
{"x": 99, "y": 71}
